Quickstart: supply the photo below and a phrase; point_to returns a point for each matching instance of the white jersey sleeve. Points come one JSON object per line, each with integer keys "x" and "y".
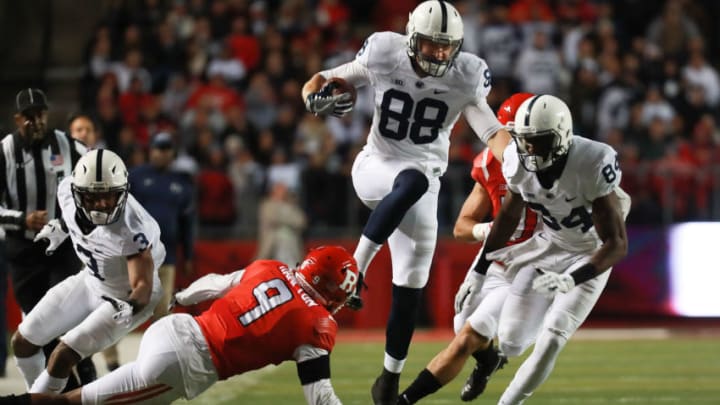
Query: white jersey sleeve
{"x": 373, "y": 58}
{"x": 605, "y": 164}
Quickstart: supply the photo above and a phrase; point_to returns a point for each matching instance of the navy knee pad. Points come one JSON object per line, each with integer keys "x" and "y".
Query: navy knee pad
{"x": 408, "y": 188}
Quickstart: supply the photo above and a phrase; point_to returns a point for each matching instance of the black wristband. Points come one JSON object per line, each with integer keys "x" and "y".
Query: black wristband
{"x": 584, "y": 273}
{"x": 136, "y": 307}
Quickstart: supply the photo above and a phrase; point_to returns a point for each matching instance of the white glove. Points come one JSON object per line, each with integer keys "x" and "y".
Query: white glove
{"x": 550, "y": 283}
{"x": 123, "y": 311}
{"x": 54, "y": 233}
{"x": 324, "y": 102}
{"x": 468, "y": 294}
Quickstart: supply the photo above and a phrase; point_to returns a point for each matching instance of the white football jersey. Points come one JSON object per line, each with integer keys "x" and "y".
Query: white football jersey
{"x": 591, "y": 171}
{"x": 413, "y": 115}
{"x": 106, "y": 248}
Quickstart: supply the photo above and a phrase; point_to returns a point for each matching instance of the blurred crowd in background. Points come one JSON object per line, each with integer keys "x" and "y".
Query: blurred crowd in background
{"x": 223, "y": 78}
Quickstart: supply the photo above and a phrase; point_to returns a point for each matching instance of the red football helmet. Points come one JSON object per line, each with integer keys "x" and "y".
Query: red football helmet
{"x": 507, "y": 110}
{"x": 329, "y": 274}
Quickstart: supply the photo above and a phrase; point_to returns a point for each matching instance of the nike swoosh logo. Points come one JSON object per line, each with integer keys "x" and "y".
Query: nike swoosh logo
{"x": 436, "y": 91}
{"x": 570, "y": 199}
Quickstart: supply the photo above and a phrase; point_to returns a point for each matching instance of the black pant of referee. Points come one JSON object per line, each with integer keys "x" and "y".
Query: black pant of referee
{"x": 33, "y": 273}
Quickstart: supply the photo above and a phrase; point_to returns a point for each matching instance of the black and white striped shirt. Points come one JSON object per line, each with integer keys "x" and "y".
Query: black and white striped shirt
{"x": 29, "y": 177}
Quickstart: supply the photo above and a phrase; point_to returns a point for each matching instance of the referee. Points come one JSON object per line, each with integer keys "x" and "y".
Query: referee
{"x": 33, "y": 161}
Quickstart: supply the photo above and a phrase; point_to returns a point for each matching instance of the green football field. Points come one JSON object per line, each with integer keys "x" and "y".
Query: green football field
{"x": 675, "y": 370}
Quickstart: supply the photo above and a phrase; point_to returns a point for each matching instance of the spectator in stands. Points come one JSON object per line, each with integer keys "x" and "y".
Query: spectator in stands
{"x": 215, "y": 191}
{"x": 82, "y": 128}
{"x": 282, "y": 222}
{"x": 169, "y": 197}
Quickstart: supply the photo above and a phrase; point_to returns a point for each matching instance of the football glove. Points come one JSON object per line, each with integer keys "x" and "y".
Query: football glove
{"x": 324, "y": 102}
{"x": 55, "y": 232}
{"x": 549, "y": 283}
{"x": 468, "y": 294}
{"x": 123, "y": 311}
{"x": 354, "y": 301}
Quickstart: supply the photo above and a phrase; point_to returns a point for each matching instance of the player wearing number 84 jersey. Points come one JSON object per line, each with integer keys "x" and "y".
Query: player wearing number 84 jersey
{"x": 119, "y": 243}
{"x": 421, "y": 82}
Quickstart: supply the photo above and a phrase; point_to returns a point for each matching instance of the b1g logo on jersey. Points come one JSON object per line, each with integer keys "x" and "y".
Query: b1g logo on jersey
{"x": 348, "y": 285}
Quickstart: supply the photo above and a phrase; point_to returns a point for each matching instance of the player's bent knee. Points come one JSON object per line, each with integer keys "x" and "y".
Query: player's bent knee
{"x": 413, "y": 183}
{"x": 512, "y": 350}
{"x": 21, "y": 346}
{"x": 468, "y": 341}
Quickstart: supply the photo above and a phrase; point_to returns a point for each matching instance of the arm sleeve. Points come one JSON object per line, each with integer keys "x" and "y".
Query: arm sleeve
{"x": 607, "y": 175}
{"x": 208, "y": 287}
{"x": 354, "y": 72}
{"x": 482, "y": 120}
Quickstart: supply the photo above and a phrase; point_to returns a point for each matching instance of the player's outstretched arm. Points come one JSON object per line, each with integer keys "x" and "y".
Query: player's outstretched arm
{"x": 314, "y": 376}
{"x": 208, "y": 287}
{"x": 477, "y": 206}
{"x": 485, "y": 124}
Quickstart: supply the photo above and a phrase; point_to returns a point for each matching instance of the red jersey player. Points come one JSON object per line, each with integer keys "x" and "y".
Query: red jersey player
{"x": 477, "y": 312}
{"x": 264, "y": 314}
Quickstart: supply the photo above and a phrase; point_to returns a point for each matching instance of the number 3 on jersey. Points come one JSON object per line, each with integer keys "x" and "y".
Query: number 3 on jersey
{"x": 409, "y": 119}
{"x": 91, "y": 263}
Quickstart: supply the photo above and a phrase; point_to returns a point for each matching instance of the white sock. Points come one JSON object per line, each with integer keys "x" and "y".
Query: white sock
{"x": 365, "y": 252}
{"x": 31, "y": 367}
{"x": 45, "y": 383}
{"x": 393, "y": 365}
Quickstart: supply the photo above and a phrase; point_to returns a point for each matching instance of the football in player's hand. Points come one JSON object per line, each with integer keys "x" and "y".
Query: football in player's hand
{"x": 342, "y": 86}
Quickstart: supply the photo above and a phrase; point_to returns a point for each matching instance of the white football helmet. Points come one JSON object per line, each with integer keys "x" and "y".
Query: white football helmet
{"x": 542, "y": 131}
{"x": 100, "y": 186}
{"x": 439, "y": 22}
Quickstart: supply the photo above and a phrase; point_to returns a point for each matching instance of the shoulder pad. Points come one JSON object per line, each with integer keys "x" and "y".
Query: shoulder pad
{"x": 473, "y": 73}
{"x": 382, "y": 51}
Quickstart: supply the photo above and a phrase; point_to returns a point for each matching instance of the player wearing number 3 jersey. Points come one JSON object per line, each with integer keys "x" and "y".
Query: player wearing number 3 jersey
{"x": 421, "y": 82}
{"x": 119, "y": 243}
{"x": 264, "y": 314}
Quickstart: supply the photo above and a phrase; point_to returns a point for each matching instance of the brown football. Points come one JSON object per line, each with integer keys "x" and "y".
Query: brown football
{"x": 343, "y": 87}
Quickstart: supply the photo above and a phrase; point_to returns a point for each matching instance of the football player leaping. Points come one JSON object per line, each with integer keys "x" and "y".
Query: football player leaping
{"x": 119, "y": 242}
{"x": 573, "y": 184}
{"x": 263, "y": 314}
{"x": 421, "y": 83}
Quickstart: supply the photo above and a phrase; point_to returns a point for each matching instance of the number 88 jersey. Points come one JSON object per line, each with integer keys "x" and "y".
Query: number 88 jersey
{"x": 413, "y": 116}
{"x": 591, "y": 171}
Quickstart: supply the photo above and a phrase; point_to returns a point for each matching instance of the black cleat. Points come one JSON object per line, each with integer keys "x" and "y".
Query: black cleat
{"x": 478, "y": 379}
{"x": 385, "y": 389}
{"x": 354, "y": 301}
